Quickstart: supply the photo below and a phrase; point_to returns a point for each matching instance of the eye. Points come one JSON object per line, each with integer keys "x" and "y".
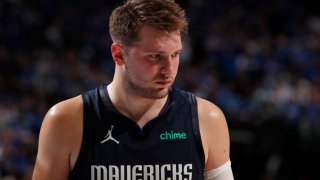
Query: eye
{"x": 154, "y": 58}
{"x": 175, "y": 54}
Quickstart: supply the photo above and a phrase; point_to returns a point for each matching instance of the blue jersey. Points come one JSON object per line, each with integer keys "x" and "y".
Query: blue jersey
{"x": 116, "y": 148}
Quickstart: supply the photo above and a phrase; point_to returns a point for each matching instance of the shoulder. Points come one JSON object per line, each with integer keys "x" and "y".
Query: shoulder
{"x": 59, "y": 140}
{"x": 64, "y": 112}
{"x": 214, "y": 133}
{"x": 209, "y": 112}
{"x": 66, "y": 108}
{"x": 212, "y": 120}
{"x": 62, "y": 122}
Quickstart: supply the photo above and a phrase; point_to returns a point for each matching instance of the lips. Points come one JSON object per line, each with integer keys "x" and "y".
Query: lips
{"x": 163, "y": 82}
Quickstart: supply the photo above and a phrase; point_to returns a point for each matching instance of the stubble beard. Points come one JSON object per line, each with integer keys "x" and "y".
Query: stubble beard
{"x": 150, "y": 93}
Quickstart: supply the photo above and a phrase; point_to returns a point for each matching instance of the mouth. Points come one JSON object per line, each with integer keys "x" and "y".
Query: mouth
{"x": 163, "y": 82}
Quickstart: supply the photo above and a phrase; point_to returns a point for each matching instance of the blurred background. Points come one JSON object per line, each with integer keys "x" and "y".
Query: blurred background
{"x": 259, "y": 61}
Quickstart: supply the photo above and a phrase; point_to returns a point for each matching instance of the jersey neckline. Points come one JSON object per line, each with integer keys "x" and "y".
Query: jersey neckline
{"x": 103, "y": 91}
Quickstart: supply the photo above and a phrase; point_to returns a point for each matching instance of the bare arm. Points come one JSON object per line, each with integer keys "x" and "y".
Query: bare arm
{"x": 59, "y": 140}
{"x": 214, "y": 134}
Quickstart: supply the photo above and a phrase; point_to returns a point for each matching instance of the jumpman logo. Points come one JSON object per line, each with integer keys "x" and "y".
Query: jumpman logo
{"x": 109, "y": 136}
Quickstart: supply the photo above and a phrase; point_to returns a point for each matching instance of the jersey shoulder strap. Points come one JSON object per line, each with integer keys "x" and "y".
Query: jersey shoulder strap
{"x": 195, "y": 125}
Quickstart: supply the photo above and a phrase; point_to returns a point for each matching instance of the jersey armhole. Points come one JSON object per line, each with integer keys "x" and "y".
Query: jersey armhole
{"x": 195, "y": 126}
{"x": 76, "y": 167}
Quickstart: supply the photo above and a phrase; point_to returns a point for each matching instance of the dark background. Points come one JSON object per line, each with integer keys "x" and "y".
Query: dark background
{"x": 259, "y": 61}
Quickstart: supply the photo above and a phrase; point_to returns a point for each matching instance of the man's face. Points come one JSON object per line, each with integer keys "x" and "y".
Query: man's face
{"x": 151, "y": 63}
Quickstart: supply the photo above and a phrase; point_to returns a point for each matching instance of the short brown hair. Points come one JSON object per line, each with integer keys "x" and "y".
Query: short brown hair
{"x": 127, "y": 19}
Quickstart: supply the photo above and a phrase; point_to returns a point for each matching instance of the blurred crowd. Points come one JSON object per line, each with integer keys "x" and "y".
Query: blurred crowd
{"x": 259, "y": 61}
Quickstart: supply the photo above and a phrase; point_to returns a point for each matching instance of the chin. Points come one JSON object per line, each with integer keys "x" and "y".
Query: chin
{"x": 162, "y": 95}
{"x": 157, "y": 94}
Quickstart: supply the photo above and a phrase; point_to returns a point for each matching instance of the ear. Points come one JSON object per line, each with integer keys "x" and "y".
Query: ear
{"x": 116, "y": 51}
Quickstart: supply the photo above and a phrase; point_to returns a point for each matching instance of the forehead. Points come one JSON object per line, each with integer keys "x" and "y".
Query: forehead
{"x": 153, "y": 39}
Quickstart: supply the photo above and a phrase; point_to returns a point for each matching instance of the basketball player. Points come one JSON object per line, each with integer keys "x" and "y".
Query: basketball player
{"x": 138, "y": 126}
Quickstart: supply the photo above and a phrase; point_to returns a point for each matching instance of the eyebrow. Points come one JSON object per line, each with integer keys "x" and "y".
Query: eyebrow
{"x": 162, "y": 52}
{"x": 179, "y": 51}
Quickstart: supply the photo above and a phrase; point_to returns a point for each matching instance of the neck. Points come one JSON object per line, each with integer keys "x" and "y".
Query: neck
{"x": 137, "y": 108}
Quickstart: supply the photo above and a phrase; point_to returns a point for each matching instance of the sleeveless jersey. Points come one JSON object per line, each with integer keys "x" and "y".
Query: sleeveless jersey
{"x": 114, "y": 147}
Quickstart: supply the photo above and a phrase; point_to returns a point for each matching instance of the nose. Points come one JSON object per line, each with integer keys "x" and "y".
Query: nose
{"x": 166, "y": 65}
